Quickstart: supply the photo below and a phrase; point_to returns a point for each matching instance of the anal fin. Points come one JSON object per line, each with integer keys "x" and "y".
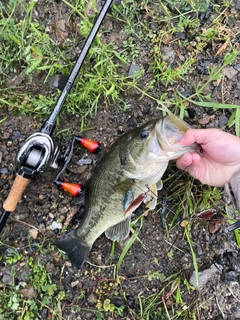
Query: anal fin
{"x": 76, "y": 251}
{"x": 120, "y": 231}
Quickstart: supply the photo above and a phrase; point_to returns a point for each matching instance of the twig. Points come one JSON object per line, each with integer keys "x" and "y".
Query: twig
{"x": 71, "y": 214}
{"x": 27, "y": 224}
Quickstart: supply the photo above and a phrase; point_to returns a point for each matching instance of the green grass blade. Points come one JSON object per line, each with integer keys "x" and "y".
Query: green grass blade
{"x": 187, "y": 229}
{"x": 126, "y": 248}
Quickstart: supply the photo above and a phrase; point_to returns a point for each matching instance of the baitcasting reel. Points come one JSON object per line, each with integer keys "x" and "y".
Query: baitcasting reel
{"x": 38, "y": 150}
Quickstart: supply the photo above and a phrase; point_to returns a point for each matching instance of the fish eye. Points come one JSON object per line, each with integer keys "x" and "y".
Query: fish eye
{"x": 144, "y": 134}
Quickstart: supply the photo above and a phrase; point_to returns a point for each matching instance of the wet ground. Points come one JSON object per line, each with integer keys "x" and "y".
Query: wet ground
{"x": 157, "y": 253}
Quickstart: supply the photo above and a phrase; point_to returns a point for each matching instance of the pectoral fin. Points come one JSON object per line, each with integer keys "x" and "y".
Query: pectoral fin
{"x": 120, "y": 231}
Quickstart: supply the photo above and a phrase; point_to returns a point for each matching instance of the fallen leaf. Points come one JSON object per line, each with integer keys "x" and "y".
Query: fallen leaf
{"x": 222, "y": 48}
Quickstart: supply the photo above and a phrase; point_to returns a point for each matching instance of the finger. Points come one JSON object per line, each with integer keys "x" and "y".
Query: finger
{"x": 200, "y": 136}
{"x": 193, "y": 164}
{"x": 184, "y": 161}
{"x": 196, "y": 168}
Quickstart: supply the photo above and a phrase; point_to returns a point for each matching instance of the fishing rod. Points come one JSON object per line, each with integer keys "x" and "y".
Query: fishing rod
{"x": 38, "y": 150}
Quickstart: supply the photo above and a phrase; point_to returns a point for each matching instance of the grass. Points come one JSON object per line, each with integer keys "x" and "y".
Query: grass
{"x": 27, "y": 299}
{"x": 29, "y": 52}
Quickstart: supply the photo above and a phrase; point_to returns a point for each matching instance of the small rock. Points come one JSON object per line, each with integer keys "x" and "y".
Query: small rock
{"x": 237, "y": 67}
{"x": 84, "y": 162}
{"x": 55, "y": 225}
{"x": 120, "y": 130}
{"x": 168, "y": 55}
{"x": 191, "y": 113}
{"x": 57, "y": 81}
{"x": 237, "y": 6}
{"x": 21, "y": 216}
{"x": 118, "y": 301}
{"x": 74, "y": 283}
{"x": 29, "y": 292}
{"x": 186, "y": 93}
{"x": 132, "y": 122}
{"x": 63, "y": 210}
{"x": 7, "y": 279}
{"x": 16, "y": 136}
{"x": 230, "y": 72}
{"x": 51, "y": 215}
{"x": 180, "y": 35}
{"x": 92, "y": 299}
{"x": 42, "y": 227}
{"x": 230, "y": 276}
{"x": 4, "y": 173}
{"x": 68, "y": 278}
{"x": 134, "y": 69}
{"x": 33, "y": 233}
{"x": 130, "y": 301}
{"x": 204, "y": 120}
{"x": 204, "y": 276}
{"x": 45, "y": 313}
{"x": 222, "y": 120}
{"x": 41, "y": 196}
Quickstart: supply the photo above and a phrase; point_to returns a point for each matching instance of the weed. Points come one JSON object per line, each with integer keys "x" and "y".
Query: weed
{"x": 107, "y": 306}
{"x": 26, "y": 300}
{"x": 154, "y": 305}
{"x": 28, "y": 51}
{"x": 32, "y": 50}
{"x": 24, "y": 43}
{"x": 163, "y": 71}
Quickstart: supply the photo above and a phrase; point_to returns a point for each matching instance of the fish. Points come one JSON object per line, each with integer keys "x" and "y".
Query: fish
{"x": 233, "y": 191}
{"x": 127, "y": 175}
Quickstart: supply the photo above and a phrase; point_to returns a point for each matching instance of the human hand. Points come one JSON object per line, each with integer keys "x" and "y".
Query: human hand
{"x": 215, "y": 160}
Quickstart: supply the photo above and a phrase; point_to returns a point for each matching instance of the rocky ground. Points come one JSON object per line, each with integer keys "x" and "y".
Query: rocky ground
{"x": 156, "y": 254}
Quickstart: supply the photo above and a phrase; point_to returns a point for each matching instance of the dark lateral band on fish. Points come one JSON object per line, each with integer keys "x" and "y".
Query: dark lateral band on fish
{"x": 119, "y": 183}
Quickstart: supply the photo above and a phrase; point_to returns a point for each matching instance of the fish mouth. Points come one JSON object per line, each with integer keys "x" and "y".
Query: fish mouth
{"x": 169, "y": 131}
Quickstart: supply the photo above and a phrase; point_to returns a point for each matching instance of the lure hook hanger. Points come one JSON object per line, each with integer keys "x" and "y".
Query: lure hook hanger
{"x": 37, "y": 151}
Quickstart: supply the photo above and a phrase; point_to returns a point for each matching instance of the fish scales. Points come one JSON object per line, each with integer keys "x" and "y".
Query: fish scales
{"x": 105, "y": 194}
{"x": 136, "y": 161}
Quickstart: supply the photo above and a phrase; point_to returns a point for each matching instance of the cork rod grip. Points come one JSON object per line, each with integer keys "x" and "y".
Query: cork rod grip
{"x": 18, "y": 187}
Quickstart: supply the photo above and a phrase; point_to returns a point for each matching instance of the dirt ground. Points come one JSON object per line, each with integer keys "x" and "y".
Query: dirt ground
{"x": 155, "y": 252}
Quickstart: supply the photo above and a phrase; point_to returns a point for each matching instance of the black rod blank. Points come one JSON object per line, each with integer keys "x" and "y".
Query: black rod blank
{"x": 49, "y": 124}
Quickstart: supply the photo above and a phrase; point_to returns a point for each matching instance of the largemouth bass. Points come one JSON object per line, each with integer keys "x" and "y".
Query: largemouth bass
{"x": 129, "y": 174}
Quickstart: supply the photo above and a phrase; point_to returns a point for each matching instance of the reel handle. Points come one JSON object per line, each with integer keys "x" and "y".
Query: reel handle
{"x": 34, "y": 155}
{"x": 19, "y": 185}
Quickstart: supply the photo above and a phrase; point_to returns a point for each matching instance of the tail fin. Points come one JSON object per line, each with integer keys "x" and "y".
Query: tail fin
{"x": 76, "y": 252}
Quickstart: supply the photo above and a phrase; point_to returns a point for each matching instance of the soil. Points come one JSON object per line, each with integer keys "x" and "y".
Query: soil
{"x": 156, "y": 253}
